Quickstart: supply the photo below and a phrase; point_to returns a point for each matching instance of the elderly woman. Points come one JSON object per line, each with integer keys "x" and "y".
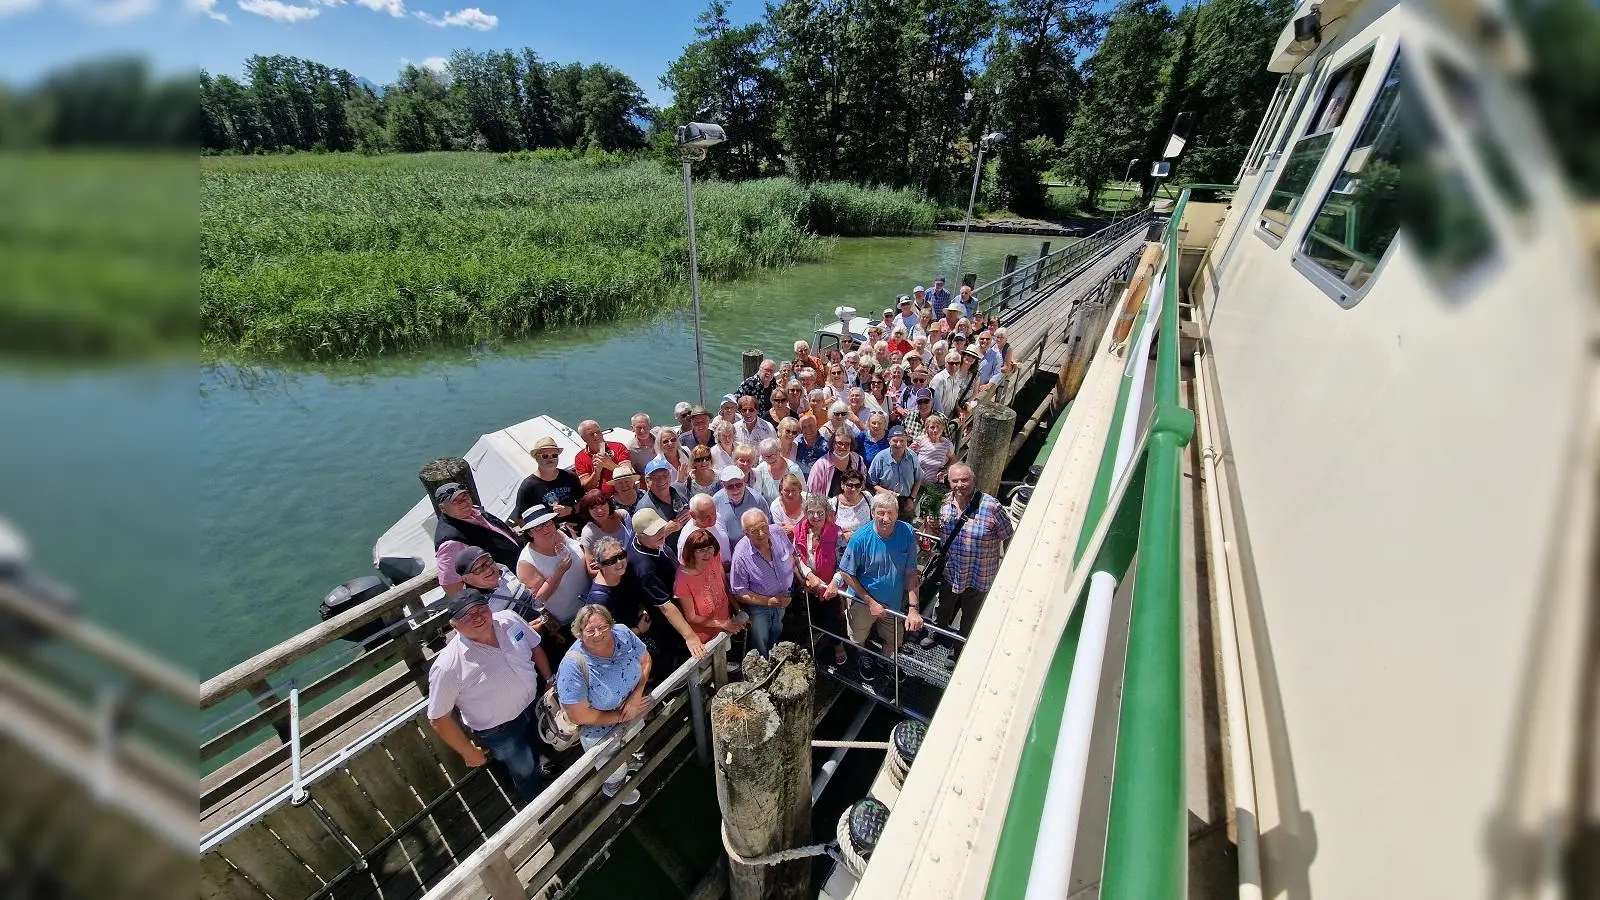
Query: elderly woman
{"x": 788, "y": 431}
{"x": 933, "y": 450}
{"x": 840, "y": 421}
{"x": 877, "y": 398}
{"x": 702, "y": 474}
{"x": 817, "y": 544}
{"x": 1002, "y": 342}
{"x": 620, "y": 591}
{"x": 796, "y": 394}
{"x": 852, "y": 508}
{"x": 722, "y": 452}
{"x": 701, "y": 588}
{"x": 826, "y": 472}
{"x": 838, "y": 386}
{"x": 744, "y": 459}
{"x": 788, "y": 508}
{"x": 811, "y": 445}
{"x": 856, "y": 402}
{"x": 671, "y": 451}
{"x": 770, "y": 472}
{"x": 601, "y": 684}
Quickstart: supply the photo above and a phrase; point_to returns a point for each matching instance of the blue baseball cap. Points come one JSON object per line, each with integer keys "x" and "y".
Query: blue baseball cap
{"x": 656, "y": 465}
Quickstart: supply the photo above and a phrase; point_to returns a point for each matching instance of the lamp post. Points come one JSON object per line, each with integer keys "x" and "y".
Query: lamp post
{"x": 987, "y": 142}
{"x": 1126, "y": 174}
{"x": 694, "y": 139}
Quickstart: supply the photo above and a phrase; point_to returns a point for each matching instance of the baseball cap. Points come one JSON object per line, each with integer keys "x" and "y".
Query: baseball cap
{"x": 537, "y": 514}
{"x": 544, "y": 442}
{"x": 448, "y": 491}
{"x": 682, "y": 409}
{"x": 648, "y": 522}
{"x": 464, "y": 600}
{"x": 730, "y": 398}
{"x": 919, "y": 289}
{"x": 468, "y": 558}
{"x": 730, "y": 473}
{"x": 959, "y": 336}
{"x": 922, "y": 394}
{"x": 657, "y": 465}
{"x": 896, "y": 431}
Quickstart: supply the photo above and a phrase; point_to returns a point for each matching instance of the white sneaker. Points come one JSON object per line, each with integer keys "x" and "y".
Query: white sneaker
{"x": 629, "y": 800}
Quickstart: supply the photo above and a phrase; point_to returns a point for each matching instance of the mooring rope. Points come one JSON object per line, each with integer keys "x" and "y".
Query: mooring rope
{"x": 772, "y": 859}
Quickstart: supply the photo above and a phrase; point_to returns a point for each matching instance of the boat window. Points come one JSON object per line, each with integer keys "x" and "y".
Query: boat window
{"x": 1308, "y": 151}
{"x": 1308, "y": 89}
{"x": 1465, "y": 96}
{"x": 1443, "y": 220}
{"x": 1361, "y": 212}
{"x": 1269, "y": 126}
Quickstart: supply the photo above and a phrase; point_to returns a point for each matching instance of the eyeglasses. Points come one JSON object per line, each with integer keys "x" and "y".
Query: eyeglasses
{"x": 613, "y": 560}
{"x": 555, "y": 454}
{"x": 702, "y": 462}
{"x": 483, "y": 566}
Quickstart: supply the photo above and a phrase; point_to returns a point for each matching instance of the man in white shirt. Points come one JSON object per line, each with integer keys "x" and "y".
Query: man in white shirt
{"x": 489, "y": 674}
{"x": 949, "y": 385}
{"x": 703, "y": 516}
{"x": 751, "y": 428}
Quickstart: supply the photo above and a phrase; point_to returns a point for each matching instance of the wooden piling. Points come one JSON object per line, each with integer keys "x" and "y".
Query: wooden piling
{"x": 443, "y": 471}
{"x": 752, "y": 362}
{"x": 761, "y": 739}
{"x": 989, "y": 444}
{"x": 1038, "y": 270}
{"x": 970, "y": 279}
{"x": 1007, "y": 286}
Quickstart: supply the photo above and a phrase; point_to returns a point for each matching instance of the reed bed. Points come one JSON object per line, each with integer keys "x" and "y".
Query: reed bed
{"x": 341, "y": 256}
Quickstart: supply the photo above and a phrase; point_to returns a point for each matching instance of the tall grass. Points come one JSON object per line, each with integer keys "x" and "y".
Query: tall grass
{"x": 349, "y": 255}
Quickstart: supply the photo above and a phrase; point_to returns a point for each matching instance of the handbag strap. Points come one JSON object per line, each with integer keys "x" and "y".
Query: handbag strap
{"x": 937, "y": 564}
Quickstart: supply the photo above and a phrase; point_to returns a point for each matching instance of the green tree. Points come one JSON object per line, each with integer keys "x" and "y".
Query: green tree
{"x": 1227, "y": 85}
{"x": 721, "y": 77}
{"x": 1565, "y": 80}
{"x": 1122, "y": 97}
{"x": 614, "y": 110}
{"x": 417, "y": 113}
{"x": 940, "y": 46}
{"x": 805, "y": 57}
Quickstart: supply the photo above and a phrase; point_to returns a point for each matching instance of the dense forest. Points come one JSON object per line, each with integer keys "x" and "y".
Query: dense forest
{"x": 881, "y": 92}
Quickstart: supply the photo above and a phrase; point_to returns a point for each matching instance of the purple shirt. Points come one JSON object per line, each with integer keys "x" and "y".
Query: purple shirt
{"x": 444, "y": 556}
{"x": 753, "y": 573}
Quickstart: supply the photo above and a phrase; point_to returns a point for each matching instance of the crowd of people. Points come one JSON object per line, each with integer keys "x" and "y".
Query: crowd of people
{"x": 800, "y": 488}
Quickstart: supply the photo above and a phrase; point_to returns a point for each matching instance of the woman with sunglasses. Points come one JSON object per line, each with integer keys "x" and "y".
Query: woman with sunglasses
{"x": 702, "y": 474}
{"x": 851, "y": 508}
{"x": 701, "y": 588}
{"x": 838, "y": 386}
{"x": 670, "y": 451}
{"x": 788, "y": 433}
{"x": 619, "y": 590}
{"x": 817, "y": 545}
{"x": 826, "y": 473}
{"x": 877, "y": 396}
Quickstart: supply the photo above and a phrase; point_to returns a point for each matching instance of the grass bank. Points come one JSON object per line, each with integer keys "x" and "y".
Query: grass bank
{"x": 334, "y": 256}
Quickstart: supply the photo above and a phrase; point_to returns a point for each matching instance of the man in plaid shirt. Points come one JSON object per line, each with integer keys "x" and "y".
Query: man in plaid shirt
{"x": 974, "y": 555}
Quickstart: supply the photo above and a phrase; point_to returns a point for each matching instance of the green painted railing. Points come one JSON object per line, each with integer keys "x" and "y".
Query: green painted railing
{"x": 1146, "y": 843}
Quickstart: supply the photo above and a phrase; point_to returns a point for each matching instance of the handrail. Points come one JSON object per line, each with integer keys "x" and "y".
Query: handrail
{"x": 1147, "y": 832}
{"x": 1050, "y": 265}
{"x": 140, "y": 667}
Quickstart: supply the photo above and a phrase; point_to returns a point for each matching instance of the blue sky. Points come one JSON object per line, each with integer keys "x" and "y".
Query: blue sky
{"x": 367, "y": 37}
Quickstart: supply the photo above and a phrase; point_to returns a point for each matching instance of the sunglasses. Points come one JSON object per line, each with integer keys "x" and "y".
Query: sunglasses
{"x": 552, "y": 455}
{"x": 613, "y": 560}
{"x": 702, "y": 462}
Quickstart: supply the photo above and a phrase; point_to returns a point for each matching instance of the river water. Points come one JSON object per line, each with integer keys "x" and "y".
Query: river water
{"x": 302, "y": 468}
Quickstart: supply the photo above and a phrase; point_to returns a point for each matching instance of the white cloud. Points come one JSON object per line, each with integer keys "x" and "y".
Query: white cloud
{"x": 278, "y": 11}
{"x": 112, "y": 12}
{"x": 207, "y": 8}
{"x": 436, "y": 63}
{"x": 396, "y": 8}
{"x": 471, "y": 17}
{"x": 327, "y": 2}
{"x": 15, "y": 7}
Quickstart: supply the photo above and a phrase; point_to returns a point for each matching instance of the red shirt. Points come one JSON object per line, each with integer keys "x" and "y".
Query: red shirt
{"x": 899, "y": 345}
{"x": 584, "y": 464}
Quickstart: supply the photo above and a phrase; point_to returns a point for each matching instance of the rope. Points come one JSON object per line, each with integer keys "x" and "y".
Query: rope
{"x": 772, "y": 859}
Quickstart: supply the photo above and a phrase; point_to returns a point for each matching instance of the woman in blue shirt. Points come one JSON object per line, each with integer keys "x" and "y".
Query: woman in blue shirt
{"x": 601, "y": 684}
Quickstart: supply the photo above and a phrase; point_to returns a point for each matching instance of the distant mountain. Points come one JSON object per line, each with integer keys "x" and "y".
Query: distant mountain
{"x": 370, "y": 85}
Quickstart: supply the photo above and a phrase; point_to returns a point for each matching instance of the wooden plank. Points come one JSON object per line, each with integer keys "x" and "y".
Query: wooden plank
{"x": 274, "y": 659}
{"x": 446, "y": 755}
{"x": 258, "y": 853}
{"x": 413, "y": 758}
{"x": 381, "y": 781}
{"x": 221, "y": 881}
{"x": 300, "y": 829}
{"x": 342, "y": 799}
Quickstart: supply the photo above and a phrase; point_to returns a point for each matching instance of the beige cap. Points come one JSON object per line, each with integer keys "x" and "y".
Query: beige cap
{"x": 647, "y": 521}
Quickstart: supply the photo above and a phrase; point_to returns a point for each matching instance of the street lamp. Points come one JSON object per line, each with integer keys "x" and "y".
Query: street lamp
{"x": 694, "y": 139}
{"x": 987, "y": 142}
{"x": 1126, "y": 174}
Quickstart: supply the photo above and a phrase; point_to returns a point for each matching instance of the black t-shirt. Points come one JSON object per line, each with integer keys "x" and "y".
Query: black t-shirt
{"x": 657, "y": 572}
{"x": 625, "y": 600}
{"x": 564, "y": 490}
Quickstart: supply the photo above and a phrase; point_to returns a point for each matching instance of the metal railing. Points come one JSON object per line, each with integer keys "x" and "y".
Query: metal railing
{"x": 1005, "y": 294}
{"x": 926, "y": 671}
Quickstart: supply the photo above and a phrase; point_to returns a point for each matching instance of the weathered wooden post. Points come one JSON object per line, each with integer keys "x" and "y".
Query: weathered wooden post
{"x": 970, "y": 279}
{"x": 445, "y": 470}
{"x": 988, "y": 449}
{"x": 1006, "y": 280}
{"x": 1038, "y": 269}
{"x": 761, "y": 738}
{"x": 752, "y": 362}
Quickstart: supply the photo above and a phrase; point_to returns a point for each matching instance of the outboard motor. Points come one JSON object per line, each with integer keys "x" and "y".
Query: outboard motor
{"x": 351, "y": 594}
{"x": 399, "y": 569}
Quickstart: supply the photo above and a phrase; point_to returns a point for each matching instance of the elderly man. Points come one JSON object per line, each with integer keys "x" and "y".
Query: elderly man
{"x": 950, "y": 386}
{"x": 598, "y": 457}
{"x": 919, "y": 298}
{"x": 703, "y": 517}
{"x": 642, "y": 445}
{"x": 938, "y": 298}
{"x": 681, "y": 412}
{"x": 991, "y": 365}
{"x": 698, "y": 433}
{"x": 895, "y": 472}
{"x": 550, "y": 484}
{"x": 975, "y": 528}
{"x": 668, "y": 499}
{"x": 803, "y": 359}
{"x": 879, "y": 566}
{"x": 760, "y": 386}
{"x": 887, "y": 322}
{"x": 655, "y": 564}
{"x": 461, "y": 524}
{"x": 476, "y": 569}
{"x": 624, "y": 488}
{"x": 967, "y": 303}
{"x": 908, "y": 315}
{"x": 751, "y": 428}
{"x": 734, "y": 500}
{"x": 489, "y": 675}
{"x": 761, "y": 578}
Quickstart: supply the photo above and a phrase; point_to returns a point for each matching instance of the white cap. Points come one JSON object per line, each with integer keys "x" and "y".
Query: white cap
{"x": 730, "y": 473}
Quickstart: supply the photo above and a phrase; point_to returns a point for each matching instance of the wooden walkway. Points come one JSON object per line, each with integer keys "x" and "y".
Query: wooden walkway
{"x": 1036, "y": 327}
